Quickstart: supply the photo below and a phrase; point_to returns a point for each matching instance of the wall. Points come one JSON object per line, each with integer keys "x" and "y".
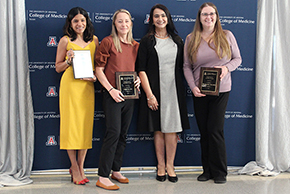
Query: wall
{"x": 45, "y": 20}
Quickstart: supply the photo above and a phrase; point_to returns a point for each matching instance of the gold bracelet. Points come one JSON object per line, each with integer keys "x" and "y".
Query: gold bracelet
{"x": 68, "y": 62}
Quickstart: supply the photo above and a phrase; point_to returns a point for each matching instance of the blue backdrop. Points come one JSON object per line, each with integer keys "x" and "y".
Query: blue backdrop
{"x": 45, "y": 20}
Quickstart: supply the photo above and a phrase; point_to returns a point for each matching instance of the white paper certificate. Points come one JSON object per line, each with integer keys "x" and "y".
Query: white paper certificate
{"x": 82, "y": 64}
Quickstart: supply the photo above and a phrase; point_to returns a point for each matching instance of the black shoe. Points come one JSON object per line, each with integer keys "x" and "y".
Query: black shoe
{"x": 220, "y": 180}
{"x": 204, "y": 177}
{"x": 161, "y": 178}
{"x": 173, "y": 179}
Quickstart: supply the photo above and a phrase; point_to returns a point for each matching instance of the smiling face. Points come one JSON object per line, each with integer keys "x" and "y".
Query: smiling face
{"x": 123, "y": 23}
{"x": 159, "y": 19}
{"x": 208, "y": 17}
{"x": 79, "y": 23}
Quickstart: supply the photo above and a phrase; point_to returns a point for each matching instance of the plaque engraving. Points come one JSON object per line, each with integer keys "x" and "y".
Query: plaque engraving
{"x": 209, "y": 82}
{"x": 125, "y": 83}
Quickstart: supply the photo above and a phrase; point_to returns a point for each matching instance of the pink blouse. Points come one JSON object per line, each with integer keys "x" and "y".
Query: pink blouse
{"x": 206, "y": 57}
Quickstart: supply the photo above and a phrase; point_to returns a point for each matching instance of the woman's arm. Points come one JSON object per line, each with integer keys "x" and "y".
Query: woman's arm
{"x": 187, "y": 66}
{"x": 102, "y": 55}
{"x": 236, "y": 58}
{"x": 151, "y": 100}
{"x": 188, "y": 72}
{"x": 60, "y": 63}
{"x": 116, "y": 94}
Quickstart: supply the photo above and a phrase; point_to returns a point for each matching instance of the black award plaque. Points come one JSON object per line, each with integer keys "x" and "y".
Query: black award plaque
{"x": 209, "y": 82}
{"x": 125, "y": 83}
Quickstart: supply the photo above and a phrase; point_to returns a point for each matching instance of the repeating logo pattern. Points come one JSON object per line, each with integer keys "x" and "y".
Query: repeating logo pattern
{"x": 52, "y": 41}
{"x": 51, "y": 92}
{"x": 51, "y": 141}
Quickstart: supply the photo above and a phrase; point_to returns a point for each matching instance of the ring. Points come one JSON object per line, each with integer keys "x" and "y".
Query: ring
{"x": 69, "y": 54}
{"x": 150, "y": 106}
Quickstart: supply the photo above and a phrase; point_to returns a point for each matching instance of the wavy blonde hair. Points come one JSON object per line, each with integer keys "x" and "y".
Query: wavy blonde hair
{"x": 114, "y": 32}
{"x": 222, "y": 47}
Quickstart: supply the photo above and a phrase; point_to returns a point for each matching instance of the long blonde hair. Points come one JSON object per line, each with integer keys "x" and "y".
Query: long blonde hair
{"x": 114, "y": 32}
{"x": 222, "y": 47}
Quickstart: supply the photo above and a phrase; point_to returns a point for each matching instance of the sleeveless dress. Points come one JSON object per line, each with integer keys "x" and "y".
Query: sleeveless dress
{"x": 76, "y": 104}
{"x": 170, "y": 119}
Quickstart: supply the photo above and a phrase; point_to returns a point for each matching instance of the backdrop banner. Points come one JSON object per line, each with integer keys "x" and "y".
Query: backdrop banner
{"x": 45, "y": 21}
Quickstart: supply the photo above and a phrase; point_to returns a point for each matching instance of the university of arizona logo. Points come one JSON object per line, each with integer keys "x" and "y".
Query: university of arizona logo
{"x": 51, "y": 141}
{"x": 146, "y": 21}
{"x": 179, "y": 140}
{"x": 51, "y": 92}
{"x": 52, "y": 41}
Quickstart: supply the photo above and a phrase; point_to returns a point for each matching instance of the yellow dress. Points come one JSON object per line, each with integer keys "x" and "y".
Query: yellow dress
{"x": 76, "y": 104}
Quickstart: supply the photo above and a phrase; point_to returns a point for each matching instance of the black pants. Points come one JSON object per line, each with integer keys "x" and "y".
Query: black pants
{"x": 118, "y": 119}
{"x": 210, "y": 113}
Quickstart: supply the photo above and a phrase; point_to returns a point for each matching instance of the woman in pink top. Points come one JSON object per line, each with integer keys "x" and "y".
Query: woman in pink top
{"x": 208, "y": 45}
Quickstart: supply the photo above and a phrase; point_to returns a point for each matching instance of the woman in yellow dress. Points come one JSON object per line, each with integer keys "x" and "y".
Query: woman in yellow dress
{"x": 77, "y": 96}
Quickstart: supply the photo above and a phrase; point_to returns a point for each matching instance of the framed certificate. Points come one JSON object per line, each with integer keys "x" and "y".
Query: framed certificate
{"x": 82, "y": 64}
{"x": 209, "y": 81}
{"x": 125, "y": 83}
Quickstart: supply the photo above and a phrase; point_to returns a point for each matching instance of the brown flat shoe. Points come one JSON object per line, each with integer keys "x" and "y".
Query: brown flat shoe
{"x": 112, "y": 187}
{"x": 125, "y": 180}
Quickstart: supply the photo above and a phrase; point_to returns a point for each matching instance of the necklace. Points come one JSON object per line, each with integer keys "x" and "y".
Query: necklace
{"x": 158, "y": 36}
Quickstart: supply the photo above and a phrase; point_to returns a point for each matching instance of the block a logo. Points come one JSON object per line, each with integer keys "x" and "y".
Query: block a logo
{"x": 146, "y": 21}
{"x": 51, "y": 92}
{"x": 52, "y": 41}
{"x": 179, "y": 139}
{"x": 51, "y": 141}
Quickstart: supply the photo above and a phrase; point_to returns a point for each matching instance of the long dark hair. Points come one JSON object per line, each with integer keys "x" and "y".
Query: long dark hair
{"x": 171, "y": 30}
{"x": 89, "y": 31}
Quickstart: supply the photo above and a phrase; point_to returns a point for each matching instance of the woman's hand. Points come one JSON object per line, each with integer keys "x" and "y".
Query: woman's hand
{"x": 137, "y": 83}
{"x": 70, "y": 54}
{"x": 196, "y": 92}
{"x": 225, "y": 71}
{"x": 94, "y": 79}
{"x": 117, "y": 95}
{"x": 152, "y": 103}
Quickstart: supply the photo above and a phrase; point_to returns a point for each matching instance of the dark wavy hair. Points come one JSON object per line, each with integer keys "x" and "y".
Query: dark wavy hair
{"x": 67, "y": 29}
{"x": 170, "y": 27}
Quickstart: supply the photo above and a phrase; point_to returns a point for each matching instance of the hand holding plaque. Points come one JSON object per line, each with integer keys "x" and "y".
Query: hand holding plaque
{"x": 209, "y": 82}
{"x": 125, "y": 83}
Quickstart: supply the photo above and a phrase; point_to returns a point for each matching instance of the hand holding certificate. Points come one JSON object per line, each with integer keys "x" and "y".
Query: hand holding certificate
{"x": 209, "y": 81}
{"x": 82, "y": 64}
